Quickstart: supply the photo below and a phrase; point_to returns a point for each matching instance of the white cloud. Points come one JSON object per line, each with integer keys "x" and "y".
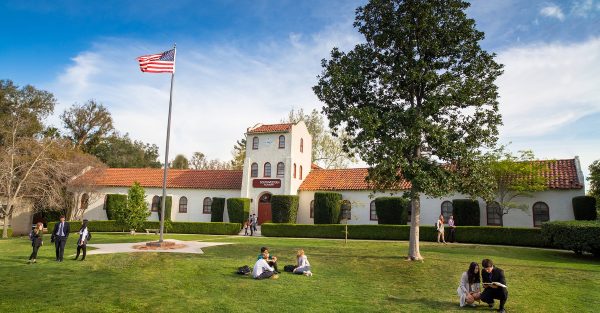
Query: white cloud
{"x": 548, "y": 85}
{"x": 553, "y": 10}
{"x": 219, "y": 90}
{"x": 583, "y": 8}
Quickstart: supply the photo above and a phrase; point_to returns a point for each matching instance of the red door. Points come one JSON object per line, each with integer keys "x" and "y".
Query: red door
{"x": 264, "y": 208}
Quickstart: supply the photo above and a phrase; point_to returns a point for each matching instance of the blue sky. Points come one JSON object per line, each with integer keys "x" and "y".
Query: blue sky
{"x": 245, "y": 62}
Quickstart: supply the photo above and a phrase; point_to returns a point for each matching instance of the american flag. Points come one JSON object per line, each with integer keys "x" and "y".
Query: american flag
{"x": 158, "y": 63}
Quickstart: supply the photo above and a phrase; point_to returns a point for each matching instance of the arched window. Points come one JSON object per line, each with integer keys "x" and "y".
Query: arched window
{"x": 281, "y": 142}
{"x": 294, "y": 170}
{"x": 446, "y": 210}
{"x": 255, "y": 143}
{"x": 494, "y": 214}
{"x": 155, "y": 204}
{"x": 312, "y": 209}
{"x": 541, "y": 213}
{"x": 85, "y": 201}
{"x": 206, "y": 206}
{"x": 267, "y": 170}
{"x": 301, "y": 145}
{"x": 300, "y": 171}
{"x": 183, "y": 205}
{"x": 373, "y": 211}
{"x": 346, "y": 210}
{"x": 254, "y": 170}
{"x": 280, "y": 169}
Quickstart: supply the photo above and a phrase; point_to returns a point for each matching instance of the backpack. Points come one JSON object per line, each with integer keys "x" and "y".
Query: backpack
{"x": 31, "y": 235}
{"x": 244, "y": 270}
{"x": 289, "y": 268}
{"x": 88, "y": 237}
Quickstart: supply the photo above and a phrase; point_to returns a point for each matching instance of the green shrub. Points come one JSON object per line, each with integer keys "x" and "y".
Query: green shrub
{"x": 216, "y": 209}
{"x": 392, "y": 210}
{"x": 471, "y": 234}
{"x": 168, "y": 204}
{"x": 284, "y": 208}
{"x": 10, "y": 232}
{"x": 115, "y": 203}
{"x": 579, "y": 236}
{"x": 327, "y": 207}
{"x": 176, "y": 227}
{"x": 465, "y": 212}
{"x": 238, "y": 210}
{"x": 584, "y": 208}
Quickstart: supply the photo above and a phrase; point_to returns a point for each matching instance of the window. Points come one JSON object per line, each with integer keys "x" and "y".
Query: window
{"x": 254, "y": 170}
{"x": 346, "y": 210}
{"x": 267, "y": 170}
{"x": 206, "y": 206}
{"x": 373, "y": 211}
{"x": 294, "y": 170}
{"x": 155, "y": 204}
{"x": 183, "y": 205}
{"x": 300, "y": 171}
{"x": 312, "y": 209}
{"x": 281, "y": 142}
{"x": 255, "y": 143}
{"x": 281, "y": 169}
{"x": 446, "y": 210}
{"x": 541, "y": 213}
{"x": 494, "y": 214}
{"x": 301, "y": 145}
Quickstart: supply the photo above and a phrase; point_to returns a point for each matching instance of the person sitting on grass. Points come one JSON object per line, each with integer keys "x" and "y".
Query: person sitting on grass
{"x": 271, "y": 260}
{"x": 262, "y": 269}
{"x": 493, "y": 282}
{"x": 303, "y": 267}
{"x": 469, "y": 287}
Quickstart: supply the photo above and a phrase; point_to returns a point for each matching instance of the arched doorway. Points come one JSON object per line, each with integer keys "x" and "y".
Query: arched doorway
{"x": 264, "y": 208}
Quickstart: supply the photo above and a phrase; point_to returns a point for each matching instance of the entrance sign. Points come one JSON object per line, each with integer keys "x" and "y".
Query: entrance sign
{"x": 266, "y": 183}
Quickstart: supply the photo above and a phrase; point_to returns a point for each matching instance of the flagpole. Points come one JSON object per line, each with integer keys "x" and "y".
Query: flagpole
{"x": 164, "y": 186}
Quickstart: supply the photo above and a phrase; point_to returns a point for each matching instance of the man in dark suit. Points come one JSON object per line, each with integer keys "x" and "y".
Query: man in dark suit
{"x": 490, "y": 292}
{"x": 59, "y": 237}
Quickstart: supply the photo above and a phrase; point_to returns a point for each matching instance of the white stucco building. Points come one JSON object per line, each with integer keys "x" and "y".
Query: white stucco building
{"x": 278, "y": 161}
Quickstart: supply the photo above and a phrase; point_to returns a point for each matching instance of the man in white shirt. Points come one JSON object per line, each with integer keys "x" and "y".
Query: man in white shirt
{"x": 262, "y": 269}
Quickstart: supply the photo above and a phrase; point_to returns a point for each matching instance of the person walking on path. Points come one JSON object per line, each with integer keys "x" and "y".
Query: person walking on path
{"x": 84, "y": 237}
{"x": 60, "y": 234}
{"x": 254, "y": 222}
{"x": 36, "y": 241}
{"x": 440, "y": 229}
{"x": 452, "y": 228}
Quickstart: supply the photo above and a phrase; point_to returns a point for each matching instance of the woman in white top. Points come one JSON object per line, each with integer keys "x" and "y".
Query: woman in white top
{"x": 303, "y": 267}
{"x": 83, "y": 239}
{"x": 440, "y": 228}
{"x": 469, "y": 286}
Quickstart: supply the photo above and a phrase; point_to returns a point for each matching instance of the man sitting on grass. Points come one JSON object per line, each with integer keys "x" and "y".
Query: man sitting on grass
{"x": 271, "y": 260}
{"x": 262, "y": 269}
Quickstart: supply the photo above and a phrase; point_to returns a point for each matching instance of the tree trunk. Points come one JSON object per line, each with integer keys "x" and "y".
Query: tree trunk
{"x": 5, "y": 227}
{"x": 413, "y": 247}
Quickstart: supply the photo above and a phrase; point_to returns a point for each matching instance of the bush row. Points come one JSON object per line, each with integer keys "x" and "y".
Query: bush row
{"x": 466, "y": 212}
{"x": 392, "y": 210}
{"x": 284, "y": 208}
{"x": 238, "y": 210}
{"x": 216, "y": 209}
{"x": 10, "y": 232}
{"x": 579, "y": 236}
{"x": 174, "y": 227}
{"x": 327, "y": 207}
{"x": 584, "y": 208}
{"x": 467, "y": 234}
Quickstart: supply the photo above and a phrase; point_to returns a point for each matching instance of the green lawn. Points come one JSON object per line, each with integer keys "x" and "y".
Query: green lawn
{"x": 363, "y": 276}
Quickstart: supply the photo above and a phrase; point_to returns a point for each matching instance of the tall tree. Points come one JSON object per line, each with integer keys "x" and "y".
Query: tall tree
{"x": 594, "y": 180}
{"x": 136, "y": 212}
{"x": 87, "y": 124}
{"x": 200, "y": 162}
{"x": 180, "y": 162}
{"x": 418, "y": 93}
{"x": 238, "y": 154}
{"x": 327, "y": 149}
{"x": 121, "y": 151}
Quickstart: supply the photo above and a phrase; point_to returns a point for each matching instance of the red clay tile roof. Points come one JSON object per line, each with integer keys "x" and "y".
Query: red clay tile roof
{"x": 561, "y": 174}
{"x": 151, "y": 177}
{"x": 273, "y": 128}
{"x": 314, "y": 166}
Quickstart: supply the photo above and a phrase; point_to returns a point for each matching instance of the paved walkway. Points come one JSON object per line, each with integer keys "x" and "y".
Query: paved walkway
{"x": 256, "y": 233}
{"x": 190, "y": 247}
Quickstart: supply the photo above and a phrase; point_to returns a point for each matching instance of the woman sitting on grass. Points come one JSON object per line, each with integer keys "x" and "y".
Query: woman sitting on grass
{"x": 303, "y": 267}
{"x": 469, "y": 288}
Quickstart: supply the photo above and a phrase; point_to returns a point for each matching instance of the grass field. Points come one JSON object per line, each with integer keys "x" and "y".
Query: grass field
{"x": 362, "y": 276}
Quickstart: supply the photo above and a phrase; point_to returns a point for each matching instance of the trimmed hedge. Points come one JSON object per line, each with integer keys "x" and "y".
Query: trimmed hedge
{"x": 392, "y": 210}
{"x": 284, "y": 208}
{"x": 465, "y": 212}
{"x": 176, "y": 227}
{"x": 579, "y": 236}
{"x": 584, "y": 208}
{"x": 115, "y": 203}
{"x": 513, "y": 236}
{"x": 327, "y": 207}
{"x": 217, "y": 208}
{"x": 168, "y": 205}
{"x": 10, "y": 232}
{"x": 238, "y": 210}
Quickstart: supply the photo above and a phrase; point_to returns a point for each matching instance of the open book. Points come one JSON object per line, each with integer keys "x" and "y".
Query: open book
{"x": 496, "y": 283}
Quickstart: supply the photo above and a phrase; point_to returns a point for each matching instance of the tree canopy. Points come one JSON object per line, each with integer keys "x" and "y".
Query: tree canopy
{"x": 417, "y": 94}
{"x": 594, "y": 180}
{"x": 87, "y": 124}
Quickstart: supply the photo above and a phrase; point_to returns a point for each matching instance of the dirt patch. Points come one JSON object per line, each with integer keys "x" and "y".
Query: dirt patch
{"x": 152, "y": 248}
